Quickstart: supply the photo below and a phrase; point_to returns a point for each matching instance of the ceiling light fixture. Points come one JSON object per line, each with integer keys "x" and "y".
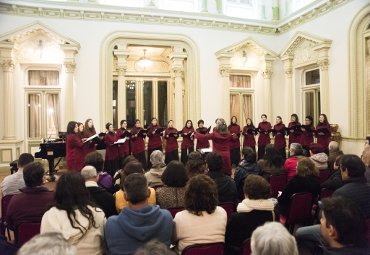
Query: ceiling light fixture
{"x": 144, "y": 62}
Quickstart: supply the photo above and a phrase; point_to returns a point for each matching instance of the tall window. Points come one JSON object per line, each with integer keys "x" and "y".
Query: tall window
{"x": 241, "y": 97}
{"x": 43, "y": 107}
{"x": 311, "y": 93}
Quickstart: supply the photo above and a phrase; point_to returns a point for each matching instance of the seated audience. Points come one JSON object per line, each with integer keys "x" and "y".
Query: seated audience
{"x": 366, "y": 159}
{"x": 290, "y": 165}
{"x": 256, "y": 209}
{"x": 130, "y": 168}
{"x": 334, "y": 181}
{"x": 117, "y": 175}
{"x": 202, "y": 221}
{"x": 174, "y": 178}
{"x": 246, "y": 166}
{"x": 225, "y": 184}
{"x": 102, "y": 198}
{"x": 12, "y": 183}
{"x": 47, "y": 244}
{"x": 158, "y": 166}
{"x": 318, "y": 156}
{"x": 272, "y": 163}
{"x": 273, "y": 238}
{"x": 154, "y": 247}
{"x": 139, "y": 222}
{"x": 306, "y": 180}
{"x": 33, "y": 200}
{"x": 195, "y": 164}
{"x": 74, "y": 216}
{"x": 334, "y": 152}
{"x": 96, "y": 160}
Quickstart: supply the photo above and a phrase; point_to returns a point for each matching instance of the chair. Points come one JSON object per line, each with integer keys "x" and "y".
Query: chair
{"x": 229, "y": 208}
{"x": 277, "y": 183}
{"x": 324, "y": 193}
{"x": 246, "y": 248}
{"x": 25, "y": 231}
{"x": 204, "y": 249}
{"x": 324, "y": 175}
{"x": 300, "y": 210}
{"x": 4, "y": 207}
{"x": 174, "y": 210}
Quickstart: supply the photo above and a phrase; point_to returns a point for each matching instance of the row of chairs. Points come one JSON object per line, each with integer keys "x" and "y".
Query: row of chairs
{"x": 214, "y": 249}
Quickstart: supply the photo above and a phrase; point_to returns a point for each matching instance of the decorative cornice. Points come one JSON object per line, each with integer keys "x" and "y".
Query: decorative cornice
{"x": 7, "y": 65}
{"x": 174, "y": 18}
{"x": 70, "y": 66}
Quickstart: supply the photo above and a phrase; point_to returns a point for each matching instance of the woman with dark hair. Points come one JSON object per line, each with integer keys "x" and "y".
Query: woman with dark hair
{"x": 294, "y": 129}
{"x": 264, "y": 128}
{"x": 174, "y": 178}
{"x": 172, "y": 147}
{"x": 137, "y": 142}
{"x": 249, "y": 133}
{"x": 154, "y": 139}
{"x": 221, "y": 143}
{"x": 279, "y": 134}
{"x": 196, "y": 164}
{"x": 202, "y": 221}
{"x": 187, "y": 144}
{"x": 323, "y": 132}
{"x": 74, "y": 148}
{"x": 202, "y": 143}
{"x": 272, "y": 163}
{"x": 89, "y": 130}
{"x": 123, "y": 148}
{"x": 74, "y": 215}
{"x": 111, "y": 152}
{"x": 234, "y": 130}
{"x": 308, "y": 130}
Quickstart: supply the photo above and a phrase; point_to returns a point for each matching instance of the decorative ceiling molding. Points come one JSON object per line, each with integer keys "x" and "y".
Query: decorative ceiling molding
{"x": 173, "y": 18}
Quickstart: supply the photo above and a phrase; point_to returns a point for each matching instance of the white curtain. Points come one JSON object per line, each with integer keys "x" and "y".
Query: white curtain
{"x": 240, "y": 81}
{"x": 52, "y": 114}
{"x": 247, "y": 107}
{"x": 234, "y": 106}
{"x": 43, "y": 77}
{"x": 34, "y": 115}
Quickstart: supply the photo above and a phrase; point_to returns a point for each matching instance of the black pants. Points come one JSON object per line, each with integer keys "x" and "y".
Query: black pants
{"x": 261, "y": 151}
{"x": 235, "y": 156}
{"x": 173, "y": 155}
{"x": 141, "y": 157}
{"x": 185, "y": 154}
{"x": 149, "y": 164}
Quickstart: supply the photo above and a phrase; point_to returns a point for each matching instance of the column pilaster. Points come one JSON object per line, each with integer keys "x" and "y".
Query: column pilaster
{"x": 288, "y": 71}
{"x": 267, "y": 73}
{"x": 122, "y": 55}
{"x": 224, "y": 69}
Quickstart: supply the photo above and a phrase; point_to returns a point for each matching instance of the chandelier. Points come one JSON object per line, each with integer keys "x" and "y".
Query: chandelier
{"x": 144, "y": 62}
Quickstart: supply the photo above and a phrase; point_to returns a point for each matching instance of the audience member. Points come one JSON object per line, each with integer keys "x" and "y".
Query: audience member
{"x": 272, "y": 163}
{"x": 74, "y": 216}
{"x": 12, "y": 183}
{"x": 366, "y": 159}
{"x": 130, "y": 168}
{"x": 334, "y": 152}
{"x": 102, "y": 198}
{"x": 334, "y": 181}
{"x": 117, "y": 175}
{"x": 290, "y": 165}
{"x": 318, "y": 156}
{"x": 33, "y": 201}
{"x": 154, "y": 247}
{"x": 139, "y": 222}
{"x": 195, "y": 164}
{"x": 174, "y": 178}
{"x": 158, "y": 166}
{"x": 246, "y": 166}
{"x": 256, "y": 209}
{"x": 225, "y": 184}
{"x": 96, "y": 160}
{"x": 306, "y": 180}
{"x": 202, "y": 221}
{"x": 47, "y": 244}
{"x": 273, "y": 238}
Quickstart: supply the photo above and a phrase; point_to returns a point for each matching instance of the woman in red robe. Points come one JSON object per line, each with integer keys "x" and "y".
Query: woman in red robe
{"x": 279, "y": 134}
{"x": 187, "y": 144}
{"x": 154, "y": 139}
{"x": 294, "y": 129}
{"x": 137, "y": 142}
{"x": 123, "y": 148}
{"x": 74, "y": 148}
{"x": 111, "y": 151}
{"x": 234, "y": 130}
{"x": 264, "y": 129}
{"x": 323, "y": 132}
{"x": 172, "y": 147}
{"x": 307, "y": 133}
{"x": 202, "y": 143}
{"x": 89, "y": 130}
{"x": 249, "y": 132}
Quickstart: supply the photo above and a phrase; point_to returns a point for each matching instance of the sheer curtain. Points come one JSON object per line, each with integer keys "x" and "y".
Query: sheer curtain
{"x": 240, "y": 81}
{"x": 43, "y": 77}
{"x": 234, "y": 105}
{"x": 52, "y": 114}
{"x": 247, "y": 107}
{"x": 34, "y": 115}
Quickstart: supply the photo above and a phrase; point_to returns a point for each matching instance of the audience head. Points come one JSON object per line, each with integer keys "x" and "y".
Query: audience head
{"x": 351, "y": 166}
{"x": 342, "y": 223}
{"x": 296, "y": 149}
{"x": 128, "y": 159}
{"x": 273, "y": 157}
{"x": 221, "y": 126}
{"x": 273, "y": 238}
{"x": 24, "y": 159}
{"x": 249, "y": 155}
{"x": 130, "y": 168}
{"x": 306, "y": 167}
{"x": 154, "y": 247}
{"x": 256, "y": 187}
{"x": 333, "y": 146}
{"x": 316, "y": 148}
{"x": 214, "y": 162}
{"x": 33, "y": 174}
{"x": 201, "y": 195}
{"x": 47, "y": 244}
{"x": 72, "y": 127}
{"x": 96, "y": 160}
{"x": 337, "y": 162}
{"x": 89, "y": 173}
{"x": 195, "y": 164}
{"x": 157, "y": 159}
{"x": 136, "y": 188}
{"x": 366, "y": 156}
{"x": 175, "y": 175}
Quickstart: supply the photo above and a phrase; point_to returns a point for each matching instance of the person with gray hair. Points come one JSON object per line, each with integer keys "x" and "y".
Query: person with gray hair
{"x": 273, "y": 238}
{"x": 290, "y": 165}
{"x": 154, "y": 175}
{"x": 102, "y": 198}
{"x": 154, "y": 247}
{"x": 47, "y": 244}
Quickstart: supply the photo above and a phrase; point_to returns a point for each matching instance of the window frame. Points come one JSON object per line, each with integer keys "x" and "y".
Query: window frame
{"x": 311, "y": 88}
